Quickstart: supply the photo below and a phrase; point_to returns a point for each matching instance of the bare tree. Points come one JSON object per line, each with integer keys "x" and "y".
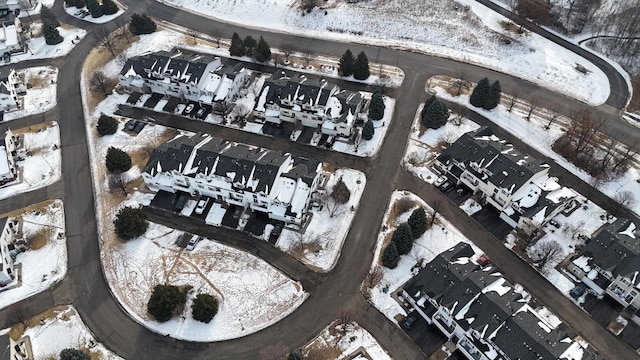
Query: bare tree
{"x": 357, "y": 139}
{"x": 552, "y": 116}
{"x": 216, "y": 35}
{"x": 120, "y": 182}
{"x": 100, "y": 83}
{"x": 624, "y": 199}
{"x": 332, "y": 205}
{"x": 373, "y": 278}
{"x": 545, "y": 253}
{"x": 308, "y": 58}
{"x": 223, "y": 108}
{"x": 531, "y": 106}
{"x": 344, "y": 319}
{"x": 121, "y": 59}
{"x": 595, "y": 182}
{"x": 621, "y": 162}
{"x": 511, "y": 101}
{"x": 106, "y": 40}
{"x": 123, "y": 29}
{"x": 383, "y": 83}
{"x": 436, "y": 205}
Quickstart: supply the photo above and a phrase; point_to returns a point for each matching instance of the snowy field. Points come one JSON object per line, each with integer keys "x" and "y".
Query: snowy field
{"x": 463, "y": 30}
{"x": 424, "y": 146}
{"x": 536, "y": 135}
{"x": 441, "y": 236}
{"x": 344, "y": 341}
{"x": 41, "y": 93}
{"x": 63, "y": 329}
{"x": 38, "y": 49}
{"x": 42, "y": 165}
{"x": 252, "y": 295}
{"x": 75, "y": 12}
{"x": 320, "y": 245}
{"x": 46, "y": 262}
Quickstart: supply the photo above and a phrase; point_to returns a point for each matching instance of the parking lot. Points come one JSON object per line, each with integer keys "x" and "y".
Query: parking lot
{"x": 256, "y": 222}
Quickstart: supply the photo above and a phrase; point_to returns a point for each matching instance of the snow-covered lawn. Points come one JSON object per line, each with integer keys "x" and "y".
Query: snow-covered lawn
{"x": 252, "y": 295}
{"x": 44, "y": 263}
{"x": 537, "y": 136}
{"x": 41, "y": 93}
{"x": 441, "y": 236}
{"x": 41, "y": 166}
{"x": 424, "y": 147}
{"x": 62, "y": 329}
{"x": 75, "y": 12}
{"x": 463, "y": 30}
{"x": 344, "y": 341}
{"x": 321, "y": 243}
{"x": 38, "y": 49}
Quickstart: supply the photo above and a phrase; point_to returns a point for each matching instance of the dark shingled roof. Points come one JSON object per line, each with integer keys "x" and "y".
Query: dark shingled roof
{"x": 172, "y": 155}
{"x": 238, "y": 159}
{"x": 613, "y": 251}
{"x": 304, "y": 168}
{"x": 508, "y": 167}
{"x": 207, "y": 155}
{"x": 187, "y": 67}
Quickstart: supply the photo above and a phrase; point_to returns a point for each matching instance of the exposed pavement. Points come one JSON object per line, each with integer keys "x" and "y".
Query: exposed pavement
{"x": 334, "y": 293}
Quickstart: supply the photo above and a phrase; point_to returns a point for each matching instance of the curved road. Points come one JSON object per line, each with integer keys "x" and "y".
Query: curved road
{"x": 334, "y": 293}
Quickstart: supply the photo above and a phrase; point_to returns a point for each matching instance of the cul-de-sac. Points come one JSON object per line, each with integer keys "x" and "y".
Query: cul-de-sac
{"x": 320, "y": 179}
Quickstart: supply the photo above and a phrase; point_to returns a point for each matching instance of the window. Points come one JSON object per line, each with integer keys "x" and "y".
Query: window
{"x": 630, "y": 296}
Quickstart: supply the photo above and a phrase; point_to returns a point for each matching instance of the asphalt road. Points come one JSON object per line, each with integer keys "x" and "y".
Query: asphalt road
{"x": 335, "y": 293}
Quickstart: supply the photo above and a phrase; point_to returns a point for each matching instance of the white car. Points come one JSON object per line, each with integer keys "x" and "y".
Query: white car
{"x": 193, "y": 242}
{"x": 189, "y": 108}
{"x": 202, "y": 204}
{"x": 439, "y": 181}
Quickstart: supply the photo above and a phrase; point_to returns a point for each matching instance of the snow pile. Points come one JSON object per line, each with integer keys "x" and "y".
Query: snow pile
{"x": 42, "y": 165}
{"x": 438, "y": 238}
{"x": 464, "y": 30}
{"x": 470, "y": 206}
{"x": 75, "y": 12}
{"x": 252, "y": 294}
{"x": 42, "y": 268}
{"x": 38, "y": 99}
{"x": 65, "y": 330}
{"x": 323, "y": 237}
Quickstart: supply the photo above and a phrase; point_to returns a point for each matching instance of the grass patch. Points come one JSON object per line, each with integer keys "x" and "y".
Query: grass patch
{"x": 400, "y": 207}
{"x": 319, "y": 351}
{"x": 33, "y": 128}
{"x": 42, "y": 207}
{"x": 17, "y": 330}
{"x": 39, "y": 239}
{"x": 512, "y": 27}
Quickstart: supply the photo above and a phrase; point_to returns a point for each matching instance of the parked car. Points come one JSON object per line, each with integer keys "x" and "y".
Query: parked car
{"x": 132, "y": 124}
{"x": 408, "y": 321}
{"x": 201, "y": 111}
{"x": 446, "y": 186}
{"x": 277, "y": 229}
{"x": 182, "y": 200}
{"x": 578, "y": 290}
{"x": 193, "y": 242}
{"x": 554, "y": 223}
{"x": 439, "y": 181}
{"x": 189, "y": 108}
{"x": 139, "y": 127}
{"x": 202, "y": 204}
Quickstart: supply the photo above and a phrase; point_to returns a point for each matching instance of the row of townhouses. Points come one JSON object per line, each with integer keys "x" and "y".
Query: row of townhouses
{"x": 183, "y": 74}
{"x": 515, "y": 184}
{"x": 276, "y": 183}
{"x": 486, "y": 316}
{"x": 313, "y": 103}
{"x": 8, "y": 251}
{"x": 11, "y": 89}
{"x": 9, "y": 154}
{"x": 610, "y": 263}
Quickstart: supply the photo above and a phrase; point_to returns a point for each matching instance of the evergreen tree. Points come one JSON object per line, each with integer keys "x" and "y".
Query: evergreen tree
{"x": 236, "y": 48}
{"x": 94, "y": 8}
{"x": 73, "y": 354}
{"x": 480, "y": 93}
{"x": 390, "y": 256}
{"x": 51, "y": 34}
{"x": 340, "y": 192}
{"x": 436, "y": 115}
{"x": 48, "y": 16}
{"x": 376, "y": 106}
{"x": 361, "y": 67}
{"x": 346, "y": 63}
{"x": 403, "y": 239}
{"x": 426, "y": 105}
{"x": 263, "y": 51}
{"x": 418, "y": 222}
{"x": 107, "y": 125}
{"x": 495, "y": 92}
{"x": 249, "y": 45}
{"x": 204, "y": 308}
{"x": 295, "y": 355}
{"x": 141, "y": 24}
{"x": 109, "y": 7}
{"x": 130, "y": 223}
{"x": 164, "y": 300}
{"x": 368, "y": 130}
{"x": 117, "y": 160}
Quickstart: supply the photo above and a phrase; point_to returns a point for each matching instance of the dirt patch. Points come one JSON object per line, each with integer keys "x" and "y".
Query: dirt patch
{"x": 512, "y": 27}
{"x": 321, "y": 351}
{"x": 33, "y": 128}
{"x": 39, "y": 239}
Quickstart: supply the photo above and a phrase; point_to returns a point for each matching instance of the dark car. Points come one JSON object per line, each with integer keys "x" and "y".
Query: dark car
{"x": 408, "y": 321}
{"x": 277, "y": 229}
{"x": 182, "y": 200}
{"x": 132, "y": 124}
{"x": 577, "y": 291}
